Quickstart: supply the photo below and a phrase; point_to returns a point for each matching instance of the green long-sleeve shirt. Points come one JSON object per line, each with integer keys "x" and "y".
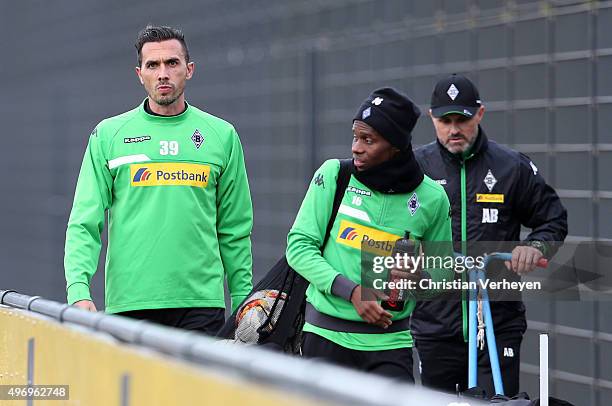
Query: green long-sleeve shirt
{"x": 363, "y": 214}
{"x": 179, "y": 213}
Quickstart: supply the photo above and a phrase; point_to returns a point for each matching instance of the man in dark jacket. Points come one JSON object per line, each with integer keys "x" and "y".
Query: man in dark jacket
{"x": 493, "y": 190}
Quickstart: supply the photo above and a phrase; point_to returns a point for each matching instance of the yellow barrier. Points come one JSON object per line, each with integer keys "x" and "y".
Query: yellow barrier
{"x": 94, "y": 367}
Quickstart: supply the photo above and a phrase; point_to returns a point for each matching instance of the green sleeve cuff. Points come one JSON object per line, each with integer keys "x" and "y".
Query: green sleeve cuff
{"x": 236, "y": 301}
{"x": 78, "y": 291}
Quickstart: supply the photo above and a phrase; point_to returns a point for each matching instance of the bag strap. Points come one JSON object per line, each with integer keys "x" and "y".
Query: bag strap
{"x": 293, "y": 280}
{"x": 342, "y": 181}
{"x": 344, "y": 176}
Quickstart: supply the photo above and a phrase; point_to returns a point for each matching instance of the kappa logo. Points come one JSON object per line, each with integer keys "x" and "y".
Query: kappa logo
{"x": 348, "y": 233}
{"x": 142, "y": 174}
{"x": 361, "y": 192}
{"x": 377, "y": 101}
{"x": 131, "y": 140}
{"x": 318, "y": 180}
{"x": 197, "y": 139}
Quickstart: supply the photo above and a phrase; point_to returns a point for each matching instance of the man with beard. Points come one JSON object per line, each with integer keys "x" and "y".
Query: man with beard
{"x": 174, "y": 183}
{"x": 493, "y": 191}
{"x": 387, "y": 196}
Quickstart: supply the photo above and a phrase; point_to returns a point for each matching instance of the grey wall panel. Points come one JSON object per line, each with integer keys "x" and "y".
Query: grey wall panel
{"x": 494, "y": 84}
{"x": 531, "y": 82}
{"x": 580, "y": 393}
{"x": 456, "y": 47}
{"x": 425, "y": 50}
{"x": 580, "y": 214}
{"x": 604, "y": 130}
{"x": 605, "y": 178}
{"x": 572, "y": 79}
{"x": 604, "y": 80}
{"x": 606, "y": 367}
{"x": 497, "y": 126}
{"x": 528, "y": 123}
{"x": 605, "y": 213}
{"x": 604, "y": 19}
{"x": 605, "y": 317}
{"x": 605, "y": 396}
{"x": 530, "y": 37}
{"x": 580, "y": 315}
{"x": 492, "y": 42}
{"x": 576, "y": 39}
{"x": 574, "y": 171}
{"x": 572, "y": 124}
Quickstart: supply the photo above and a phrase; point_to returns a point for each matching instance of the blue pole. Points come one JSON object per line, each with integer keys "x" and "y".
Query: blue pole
{"x": 494, "y": 359}
{"x": 472, "y": 334}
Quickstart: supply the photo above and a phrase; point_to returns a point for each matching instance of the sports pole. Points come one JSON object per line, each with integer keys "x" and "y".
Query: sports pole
{"x": 543, "y": 369}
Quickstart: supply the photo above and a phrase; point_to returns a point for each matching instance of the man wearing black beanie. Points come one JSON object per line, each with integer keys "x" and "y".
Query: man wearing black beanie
{"x": 387, "y": 196}
{"x": 382, "y": 149}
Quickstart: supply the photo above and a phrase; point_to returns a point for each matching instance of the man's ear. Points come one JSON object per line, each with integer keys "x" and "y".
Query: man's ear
{"x": 190, "y": 69}
{"x": 480, "y": 113}
{"x": 137, "y": 69}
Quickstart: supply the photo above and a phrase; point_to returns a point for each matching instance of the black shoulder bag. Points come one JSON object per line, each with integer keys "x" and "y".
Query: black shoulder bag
{"x": 286, "y": 333}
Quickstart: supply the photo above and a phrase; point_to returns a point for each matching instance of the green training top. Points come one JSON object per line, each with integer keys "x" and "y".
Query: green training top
{"x": 364, "y": 215}
{"x": 179, "y": 213}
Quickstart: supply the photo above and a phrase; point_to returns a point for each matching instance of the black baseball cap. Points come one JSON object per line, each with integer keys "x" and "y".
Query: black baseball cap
{"x": 455, "y": 94}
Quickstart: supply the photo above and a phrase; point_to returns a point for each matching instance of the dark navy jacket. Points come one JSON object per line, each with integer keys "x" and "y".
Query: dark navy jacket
{"x": 491, "y": 173}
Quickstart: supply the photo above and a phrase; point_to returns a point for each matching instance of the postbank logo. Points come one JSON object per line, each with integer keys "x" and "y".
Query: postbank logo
{"x": 489, "y": 198}
{"x": 142, "y": 175}
{"x": 169, "y": 174}
{"x": 348, "y": 233}
{"x": 358, "y": 236}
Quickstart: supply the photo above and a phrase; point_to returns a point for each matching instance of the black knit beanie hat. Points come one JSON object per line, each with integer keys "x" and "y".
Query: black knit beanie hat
{"x": 392, "y": 114}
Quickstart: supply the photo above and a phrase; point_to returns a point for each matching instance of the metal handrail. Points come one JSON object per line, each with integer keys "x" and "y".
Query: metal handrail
{"x": 310, "y": 377}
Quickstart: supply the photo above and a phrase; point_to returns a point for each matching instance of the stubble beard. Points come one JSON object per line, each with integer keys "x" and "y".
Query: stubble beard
{"x": 459, "y": 149}
{"x": 166, "y": 100}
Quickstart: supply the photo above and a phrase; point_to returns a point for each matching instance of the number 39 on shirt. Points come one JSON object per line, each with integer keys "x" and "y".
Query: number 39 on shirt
{"x": 168, "y": 148}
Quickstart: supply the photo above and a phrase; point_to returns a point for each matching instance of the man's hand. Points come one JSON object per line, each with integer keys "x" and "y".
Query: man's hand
{"x": 524, "y": 259}
{"x": 369, "y": 309}
{"x": 86, "y": 305}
